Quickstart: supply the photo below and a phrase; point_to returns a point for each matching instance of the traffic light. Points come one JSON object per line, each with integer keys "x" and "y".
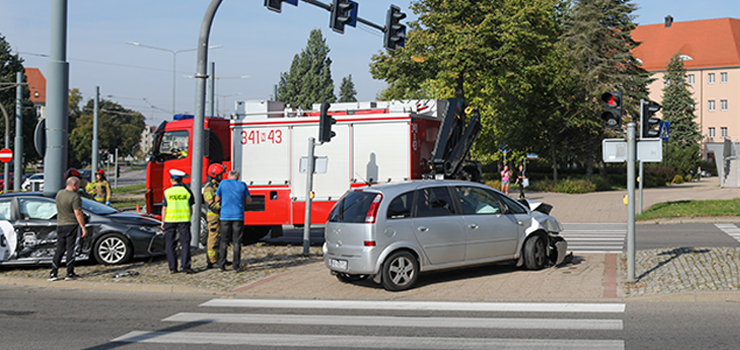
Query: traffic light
{"x": 276, "y": 5}
{"x": 612, "y": 114}
{"x": 395, "y": 32}
{"x": 343, "y": 12}
{"x": 648, "y": 121}
{"x": 325, "y": 123}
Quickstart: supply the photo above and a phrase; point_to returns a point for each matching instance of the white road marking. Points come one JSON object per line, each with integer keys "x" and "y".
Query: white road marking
{"x": 396, "y": 321}
{"x": 369, "y": 342}
{"x": 731, "y": 229}
{"x": 595, "y": 238}
{"x": 418, "y": 305}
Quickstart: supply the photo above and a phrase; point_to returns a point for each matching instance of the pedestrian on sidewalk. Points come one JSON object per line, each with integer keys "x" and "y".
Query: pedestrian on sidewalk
{"x": 213, "y": 210}
{"x": 522, "y": 181}
{"x": 234, "y": 196}
{"x": 176, "y": 213}
{"x": 505, "y": 180}
{"x": 100, "y": 188}
{"x": 70, "y": 227}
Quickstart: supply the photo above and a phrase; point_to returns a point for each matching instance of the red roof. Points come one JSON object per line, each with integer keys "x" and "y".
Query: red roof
{"x": 710, "y": 43}
{"x": 36, "y": 85}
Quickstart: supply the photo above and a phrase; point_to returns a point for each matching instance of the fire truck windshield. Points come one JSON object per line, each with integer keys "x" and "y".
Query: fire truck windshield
{"x": 172, "y": 145}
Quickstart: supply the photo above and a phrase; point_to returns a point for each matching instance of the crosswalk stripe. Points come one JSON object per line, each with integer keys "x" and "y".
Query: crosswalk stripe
{"x": 730, "y": 229}
{"x": 595, "y": 238}
{"x": 369, "y": 342}
{"x": 397, "y": 321}
{"x": 418, "y": 305}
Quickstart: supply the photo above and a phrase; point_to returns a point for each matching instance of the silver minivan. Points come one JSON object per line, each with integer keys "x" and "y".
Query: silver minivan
{"x": 392, "y": 232}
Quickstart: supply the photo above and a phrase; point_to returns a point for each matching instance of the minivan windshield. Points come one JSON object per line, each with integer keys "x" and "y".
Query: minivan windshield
{"x": 352, "y": 208}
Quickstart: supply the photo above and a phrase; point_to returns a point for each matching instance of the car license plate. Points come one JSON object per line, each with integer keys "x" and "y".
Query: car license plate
{"x": 338, "y": 264}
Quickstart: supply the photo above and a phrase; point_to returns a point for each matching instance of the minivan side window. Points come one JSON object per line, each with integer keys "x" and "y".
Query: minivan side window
{"x": 434, "y": 201}
{"x": 352, "y": 208}
{"x": 514, "y": 206}
{"x": 400, "y": 207}
{"x": 475, "y": 200}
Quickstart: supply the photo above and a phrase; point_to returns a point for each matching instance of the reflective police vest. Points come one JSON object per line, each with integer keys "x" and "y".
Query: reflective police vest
{"x": 178, "y": 204}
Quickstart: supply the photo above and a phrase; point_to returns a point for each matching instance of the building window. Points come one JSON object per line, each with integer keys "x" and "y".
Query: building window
{"x": 723, "y": 78}
{"x": 711, "y": 78}
{"x": 691, "y": 79}
{"x": 723, "y": 105}
{"x": 711, "y": 105}
{"x": 711, "y": 133}
{"x": 723, "y": 131}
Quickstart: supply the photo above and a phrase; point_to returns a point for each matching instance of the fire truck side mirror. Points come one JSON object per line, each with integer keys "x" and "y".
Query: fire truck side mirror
{"x": 325, "y": 123}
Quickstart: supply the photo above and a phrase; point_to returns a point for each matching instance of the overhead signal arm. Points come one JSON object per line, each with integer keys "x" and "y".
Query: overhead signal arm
{"x": 345, "y": 13}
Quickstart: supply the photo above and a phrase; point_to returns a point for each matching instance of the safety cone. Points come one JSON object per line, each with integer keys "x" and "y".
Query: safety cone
{"x": 138, "y": 210}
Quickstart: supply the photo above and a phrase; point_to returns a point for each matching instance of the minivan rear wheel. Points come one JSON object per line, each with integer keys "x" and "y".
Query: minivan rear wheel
{"x": 400, "y": 271}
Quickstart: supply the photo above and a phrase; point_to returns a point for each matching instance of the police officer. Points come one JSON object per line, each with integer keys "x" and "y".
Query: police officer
{"x": 100, "y": 188}
{"x": 176, "y": 213}
{"x": 213, "y": 208}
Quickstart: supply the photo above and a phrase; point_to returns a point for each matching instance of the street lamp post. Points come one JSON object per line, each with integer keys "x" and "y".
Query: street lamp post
{"x": 174, "y": 63}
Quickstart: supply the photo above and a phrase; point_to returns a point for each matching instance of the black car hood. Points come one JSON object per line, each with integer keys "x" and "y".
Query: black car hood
{"x": 132, "y": 218}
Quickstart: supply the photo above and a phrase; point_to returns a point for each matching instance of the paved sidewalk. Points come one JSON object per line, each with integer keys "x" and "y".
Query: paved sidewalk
{"x": 608, "y": 207}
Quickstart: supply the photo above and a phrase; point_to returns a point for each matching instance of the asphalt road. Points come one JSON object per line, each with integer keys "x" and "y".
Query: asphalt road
{"x": 38, "y": 318}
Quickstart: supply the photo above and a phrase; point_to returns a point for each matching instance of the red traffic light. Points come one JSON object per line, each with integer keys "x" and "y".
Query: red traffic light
{"x": 611, "y": 99}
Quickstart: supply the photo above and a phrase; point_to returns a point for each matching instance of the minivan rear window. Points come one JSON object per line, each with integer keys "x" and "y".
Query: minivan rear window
{"x": 352, "y": 208}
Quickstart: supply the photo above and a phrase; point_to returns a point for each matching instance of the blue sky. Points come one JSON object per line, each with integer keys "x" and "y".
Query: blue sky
{"x": 256, "y": 42}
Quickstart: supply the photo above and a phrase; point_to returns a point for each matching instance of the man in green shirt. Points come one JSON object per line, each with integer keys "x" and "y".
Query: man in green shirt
{"x": 70, "y": 227}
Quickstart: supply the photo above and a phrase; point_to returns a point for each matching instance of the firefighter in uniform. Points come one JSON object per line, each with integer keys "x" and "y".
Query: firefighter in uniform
{"x": 213, "y": 209}
{"x": 100, "y": 188}
{"x": 176, "y": 213}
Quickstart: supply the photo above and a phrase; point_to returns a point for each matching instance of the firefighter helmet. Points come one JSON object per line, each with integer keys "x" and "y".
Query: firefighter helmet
{"x": 100, "y": 172}
{"x": 215, "y": 170}
{"x": 71, "y": 172}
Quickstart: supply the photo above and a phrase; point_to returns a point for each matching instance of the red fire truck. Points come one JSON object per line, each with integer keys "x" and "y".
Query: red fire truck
{"x": 375, "y": 142}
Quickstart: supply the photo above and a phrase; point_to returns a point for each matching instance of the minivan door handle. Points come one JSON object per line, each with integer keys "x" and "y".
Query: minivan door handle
{"x": 473, "y": 226}
{"x": 423, "y": 229}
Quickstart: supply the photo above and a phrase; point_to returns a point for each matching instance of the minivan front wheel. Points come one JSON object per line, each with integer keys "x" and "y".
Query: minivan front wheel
{"x": 400, "y": 271}
{"x": 535, "y": 253}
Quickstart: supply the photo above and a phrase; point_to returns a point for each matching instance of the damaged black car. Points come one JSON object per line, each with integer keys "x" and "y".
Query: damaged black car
{"x": 28, "y": 232}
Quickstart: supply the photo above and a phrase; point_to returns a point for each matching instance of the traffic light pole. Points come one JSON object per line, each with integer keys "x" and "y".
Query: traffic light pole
{"x": 641, "y": 176}
{"x": 631, "y": 156}
{"x": 309, "y": 189}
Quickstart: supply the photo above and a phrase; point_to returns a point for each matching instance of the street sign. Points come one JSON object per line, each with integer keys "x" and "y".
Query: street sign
{"x": 532, "y": 156}
{"x": 664, "y": 129}
{"x": 6, "y": 155}
{"x": 648, "y": 150}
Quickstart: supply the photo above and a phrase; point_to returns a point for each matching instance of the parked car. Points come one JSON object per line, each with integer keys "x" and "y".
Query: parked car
{"x": 114, "y": 237}
{"x": 393, "y": 232}
{"x": 34, "y": 182}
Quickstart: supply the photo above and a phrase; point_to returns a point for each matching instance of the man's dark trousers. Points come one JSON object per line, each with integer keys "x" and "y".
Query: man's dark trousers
{"x": 66, "y": 241}
{"x": 231, "y": 231}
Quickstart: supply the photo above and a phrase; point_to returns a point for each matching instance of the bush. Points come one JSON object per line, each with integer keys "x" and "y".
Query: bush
{"x": 573, "y": 186}
{"x": 494, "y": 183}
{"x": 678, "y": 179}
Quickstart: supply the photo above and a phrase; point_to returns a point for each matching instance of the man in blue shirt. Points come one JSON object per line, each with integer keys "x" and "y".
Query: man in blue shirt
{"x": 233, "y": 195}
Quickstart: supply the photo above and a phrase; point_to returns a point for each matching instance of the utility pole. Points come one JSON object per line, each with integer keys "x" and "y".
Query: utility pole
{"x": 18, "y": 152}
{"x": 95, "y": 146}
{"x": 57, "y": 101}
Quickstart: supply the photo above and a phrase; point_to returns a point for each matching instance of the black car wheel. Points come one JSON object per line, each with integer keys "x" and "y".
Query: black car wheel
{"x": 400, "y": 271}
{"x": 535, "y": 253}
{"x": 112, "y": 249}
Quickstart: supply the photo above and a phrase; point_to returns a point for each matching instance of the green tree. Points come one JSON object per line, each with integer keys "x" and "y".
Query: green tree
{"x": 309, "y": 80}
{"x": 118, "y": 127}
{"x": 347, "y": 92}
{"x": 501, "y": 56}
{"x": 599, "y": 40}
{"x": 681, "y": 151}
{"x": 10, "y": 65}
